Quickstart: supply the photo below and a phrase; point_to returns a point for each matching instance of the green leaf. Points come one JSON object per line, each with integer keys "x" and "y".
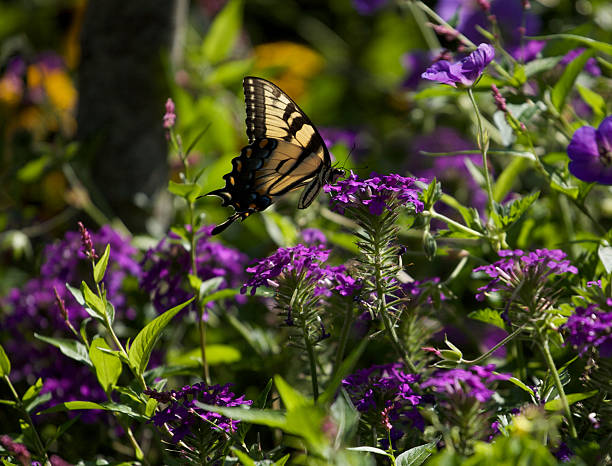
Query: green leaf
{"x": 488, "y": 316}
{"x": 541, "y": 64}
{"x": 219, "y": 295}
{"x": 215, "y": 355}
{"x": 594, "y": 44}
{"x": 210, "y": 285}
{"x": 5, "y": 363}
{"x": 511, "y": 212}
{"x": 345, "y": 368}
{"x": 244, "y": 458}
{"x": 100, "y": 267}
{"x": 556, "y": 405}
{"x": 519, "y": 383}
{"x": 345, "y": 417}
{"x": 417, "y": 455}
{"x": 108, "y": 366}
{"x": 33, "y": 170}
{"x": 92, "y": 300}
{"x": 292, "y": 399}
{"x": 283, "y": 460}
{"x": 506, "y": 179}
{"x": 78, "y": 296}
{"x": 605, "y": 256}
{"x": 140, "y": 351}
{"x": 32, "y": 391}
{"x": 71, "y": 348}
{"x": 87, "y": 405}
{"x": 378, "y": 451}
{"x": 223, "y": 32}
{"x": 189, "y": 191}
{"x": 264, "y": 417}
{"x": 593, "y": 100}
{"x": 563, "y": 87}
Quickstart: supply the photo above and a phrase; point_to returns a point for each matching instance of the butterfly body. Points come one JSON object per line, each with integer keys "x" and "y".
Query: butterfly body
{"x": 285, "y": 153}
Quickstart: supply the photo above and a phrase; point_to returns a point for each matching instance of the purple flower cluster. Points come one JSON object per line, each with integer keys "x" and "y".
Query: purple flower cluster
{"x": 386, "y": 392}
{"x": 170, "y": 116}
{"x": 183, "y": 416}
{"x": 590, "y": 153}
{"x": 517, "y": 267}
{"x": 312, "y": 236}
{"x": 34, "y": 308}
{"x": 590, "y": 328}
{"x": 473, "y": 382}
{"x": 368, "y": 7}
{"x": 301, "y": 261}
{"x": 463, "y": 73}
{"x": 166, "y": 266}
{"x": 378, "y": 193}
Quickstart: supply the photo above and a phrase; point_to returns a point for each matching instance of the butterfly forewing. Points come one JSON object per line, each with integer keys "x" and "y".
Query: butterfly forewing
{"x": 285, "y": 153}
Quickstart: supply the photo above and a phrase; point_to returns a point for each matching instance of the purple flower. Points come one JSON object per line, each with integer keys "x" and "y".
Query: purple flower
{"x": 313, "y": 236}
{"x": 378, "y": 193}
{"x": 305, "y": 262}
{"x": 169, "y": 117}
{"x": 590, "y": 328}
{"x": 563, "y": 453}
{"x": 463, "y": 73}
{"x": 166, "y": 266}
{"x": 300, "y": 260}
{"x": 590, "y": 153}
{"x": 473, "y": 382}
{"x": 367, "y": 7}
{"x": 525, "y": 270}
{"x": 184, "y": 417}
{"x": 18, "y": 450}
{"x": 34, "y": 307}
{"x": 590, "y": 66}
{"x": 386, "y": 389}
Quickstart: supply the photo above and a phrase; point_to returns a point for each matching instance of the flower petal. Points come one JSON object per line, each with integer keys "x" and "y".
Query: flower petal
{"x": 604, "y": 134}
{"x": 583, "y": 145}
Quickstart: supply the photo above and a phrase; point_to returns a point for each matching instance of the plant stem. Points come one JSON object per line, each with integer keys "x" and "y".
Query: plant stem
{"x": 381, "y": 297}
{"x": 543, "y": 343}
{"x": 312, "y": 360}
{"x": 37, "y": 440}
{"x": 346, "y": 327}
{"x": 484, "y": 147}
{"x": 492, "y": 350}
{"x": 457, "y": 225}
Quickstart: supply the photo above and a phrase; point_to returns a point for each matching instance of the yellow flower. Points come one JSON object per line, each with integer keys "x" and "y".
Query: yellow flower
{"x": 295, "y": 63}
{"x": 60, "y": 90}
{"x": 11, "y": 90}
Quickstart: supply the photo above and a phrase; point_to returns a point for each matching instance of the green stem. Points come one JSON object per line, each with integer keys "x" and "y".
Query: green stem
{"x": 484, "y": 147}
{"x": 344, "y": 333}
{"x": 492, "y": 350}
{"x": 313, "y": 362}
{"x": 382, "y": 301}
{"x": 543, "y": 343}
{"x": 457, "y": 225}
{"x": 37, "y": 440}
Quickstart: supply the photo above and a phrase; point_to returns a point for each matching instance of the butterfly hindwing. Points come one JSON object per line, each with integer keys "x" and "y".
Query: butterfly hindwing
{"x": 285, "y": 153}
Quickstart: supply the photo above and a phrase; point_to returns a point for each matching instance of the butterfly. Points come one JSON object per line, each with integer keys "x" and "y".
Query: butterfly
{"x": 285, "y": 153}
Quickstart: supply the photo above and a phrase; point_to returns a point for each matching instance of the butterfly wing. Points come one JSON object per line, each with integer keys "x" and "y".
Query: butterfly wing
{"x": 285, "y": 153}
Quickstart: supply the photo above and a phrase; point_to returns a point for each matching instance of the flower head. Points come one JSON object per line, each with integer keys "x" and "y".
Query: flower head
{"x": 590, "y": 153}
{"x": 590, "y": 328}
{"x": 463, "y": 73}
{"x": 473, "y": 382}
{"x": 528, "y": 270}
{"x": 385, "y": 392}
{"x": 378, "y": 193}
{"x": 313, "y": 236}
{"x": 184, "y": 417}
{"x": 166, "y": 266}
{"x": 169, "y": 116}
{"x": 88, "y": 248}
